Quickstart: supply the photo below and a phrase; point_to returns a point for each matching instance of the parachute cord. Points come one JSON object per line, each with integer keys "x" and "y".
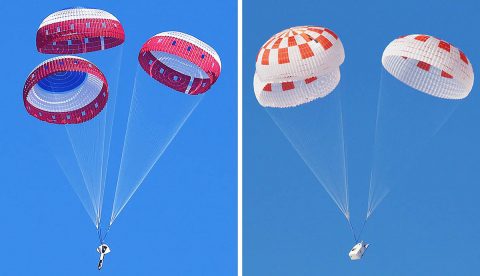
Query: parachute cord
{"x": 99, "y": 232}
{"x": 353, "y": 231}
{"x": 106, "y": 233}
{"x": 363, "y": 227}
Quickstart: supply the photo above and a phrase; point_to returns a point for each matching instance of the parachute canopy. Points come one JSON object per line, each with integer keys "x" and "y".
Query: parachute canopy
{"x": 79, "y": 30}
{"x": 298, "y": 65}
{"x": 65, "y": 90}
{"x": 430, "y": 65}
{"x": 181, "y": 62}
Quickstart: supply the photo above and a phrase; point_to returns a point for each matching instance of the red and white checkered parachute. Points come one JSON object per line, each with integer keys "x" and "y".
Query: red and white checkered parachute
{"x": 430, "y": 65}
{"x": 65, "y": 90}
{"x": 181, "y": 62}
{"x": 298, "y": 65}
{"x": 79, "y": 30}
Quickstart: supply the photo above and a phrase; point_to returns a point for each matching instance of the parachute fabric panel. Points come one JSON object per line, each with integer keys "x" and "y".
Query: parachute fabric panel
{"x": 181, "y": 62}
{"x": 298, "y": 65}
{"x": 65, "y": 90}
{"x": 79, "y": 30}
{"x": 430, "y": 65}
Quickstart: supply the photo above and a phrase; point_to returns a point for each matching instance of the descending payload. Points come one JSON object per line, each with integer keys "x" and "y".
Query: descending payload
{"x": 430, "y": 65}
{"x": 298, "y": 65}
{"x": 79, "y": 30}
{"x": 181, "y": 62}
{"x": 358, "y": 250}
{"x": 103, "y": 250}
{"x": 65, "y": 90}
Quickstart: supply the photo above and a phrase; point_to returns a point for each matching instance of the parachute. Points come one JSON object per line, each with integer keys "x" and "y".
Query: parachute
{"x": 72, "y": 91}
{"x": 297, "y": 66}
{"x": 65, "y": 90}
{"x": 79, "y": 30}
{"x": 296, "y": 70}
{"x": 430, "y": 65}
{"x": 427, "y": 77}
{"x": 179, "y": 62}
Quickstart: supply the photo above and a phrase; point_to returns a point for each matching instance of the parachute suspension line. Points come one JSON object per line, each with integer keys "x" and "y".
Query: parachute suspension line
{"x": 77, "y": 159}
{"x": 371, "y": 189}
{"x": 362, "y": 228}
{"x": 92, "y": 178}
{"x": 110, "y": 108}
{"x": 353, "y": 231}
{"x": 89, "y": 155}
{"x": 134, "y": 113}
{"x": 102, "y": 235}
{"x": 298, "y": 151}
{"x": 106, "y": 233}
{"x": 445, "y": 120}
{"x": 99, "y": 233}
{"x": 345, "y": 164}
{"x": 87, "y": 208}
{"x": 132, "y": 109}
{"x": 355, "y": 236}
{"x": 101, "y": 127}
{"x": 149, "y": 168}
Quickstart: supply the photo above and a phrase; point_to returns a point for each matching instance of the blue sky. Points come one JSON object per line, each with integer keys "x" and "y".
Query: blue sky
{"x": 183, "y": 219}
{"x": 428, "y": 224}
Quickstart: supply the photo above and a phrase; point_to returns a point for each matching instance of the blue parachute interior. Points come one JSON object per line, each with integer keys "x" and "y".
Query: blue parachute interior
{"x": 64, "y": 81}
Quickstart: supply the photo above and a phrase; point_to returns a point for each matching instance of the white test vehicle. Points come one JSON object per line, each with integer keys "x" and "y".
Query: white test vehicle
{"x": 103, "y": 249}
{"x": 358, "y": 250}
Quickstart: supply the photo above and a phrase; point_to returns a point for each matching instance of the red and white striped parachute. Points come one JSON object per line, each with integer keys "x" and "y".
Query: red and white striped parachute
{"x": 65, "y": 90}
{"x": 181, "y": 62}
{"x": 298, "y": 65}
{"x": 430, "y": 65}
{"x": 79, "y": 30}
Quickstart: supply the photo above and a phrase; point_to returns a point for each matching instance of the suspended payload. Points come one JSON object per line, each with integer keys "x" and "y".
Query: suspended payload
{"x": 358, "y": 250}
{"x": 103, "y": 250}
{"x": 181, "y": 62}
{"x": 65, "y": 90}
{"x": 298, "y": 65}
{"x": 430, "y": 65}
{"x": 79, "y": 30}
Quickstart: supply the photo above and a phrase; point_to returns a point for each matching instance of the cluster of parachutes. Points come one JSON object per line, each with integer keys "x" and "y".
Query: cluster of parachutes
{"x": 302, "y": 64}
{"x": 69, "y": 90}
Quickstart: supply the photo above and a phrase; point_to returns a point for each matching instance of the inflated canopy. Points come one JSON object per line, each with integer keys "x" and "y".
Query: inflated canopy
{"x": 181, "y": 62}
{"x": 79, "y": 30}
{"x": 430, "y": 65}
{"x": 298, "y": 65}
{"x": 65, "y": 90}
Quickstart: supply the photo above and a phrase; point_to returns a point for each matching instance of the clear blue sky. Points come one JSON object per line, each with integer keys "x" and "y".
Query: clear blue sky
{"x": 428, "y": 225}
{"x": 183, "y": 219}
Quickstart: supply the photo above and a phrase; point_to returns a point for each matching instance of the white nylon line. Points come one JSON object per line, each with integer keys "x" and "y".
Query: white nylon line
{"x": 77, "y": 159}
{"x": 112, "y": 102}
{"x": 371, "y": 188}
{"x": 319, "y": 179}
{"x": 150, "y": 167}
{"x": 189, "y": 85}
